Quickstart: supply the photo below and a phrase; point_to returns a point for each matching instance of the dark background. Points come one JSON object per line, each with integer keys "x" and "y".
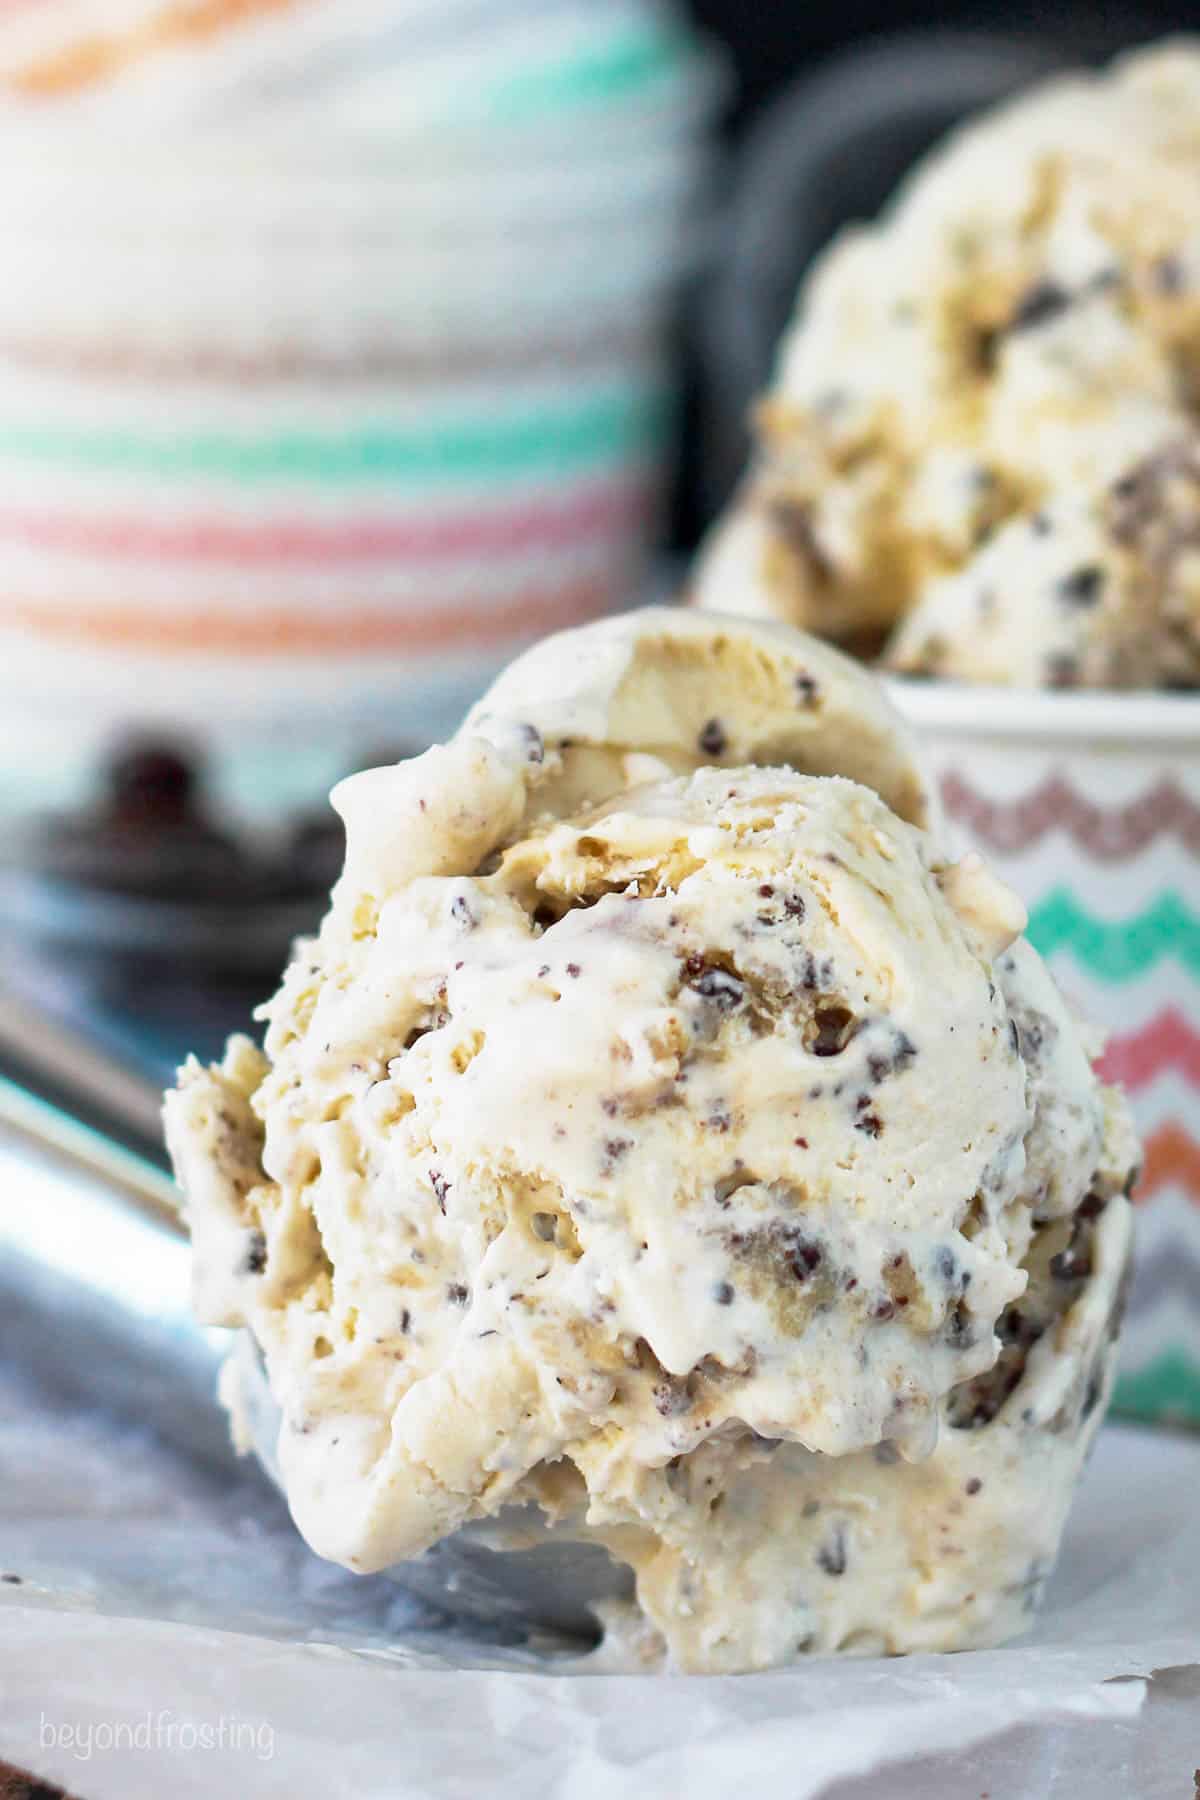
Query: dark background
{"x": 774, "y": 40}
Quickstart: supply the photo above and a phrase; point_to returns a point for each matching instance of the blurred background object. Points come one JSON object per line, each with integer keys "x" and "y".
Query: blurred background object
{"x": 834, "y": 105}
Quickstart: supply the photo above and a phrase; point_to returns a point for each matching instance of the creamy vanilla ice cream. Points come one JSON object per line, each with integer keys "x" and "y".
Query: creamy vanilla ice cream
{"x": 983, "y": 422}
{"x": 662, "y": 1134}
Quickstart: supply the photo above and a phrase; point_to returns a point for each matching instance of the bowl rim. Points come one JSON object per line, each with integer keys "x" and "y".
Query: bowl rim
{"x": 284, "y": 146}
{"x": 1083, "y": 718}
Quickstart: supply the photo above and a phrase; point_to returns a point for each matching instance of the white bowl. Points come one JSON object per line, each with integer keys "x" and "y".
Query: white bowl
{"x": 1089, "y": 804}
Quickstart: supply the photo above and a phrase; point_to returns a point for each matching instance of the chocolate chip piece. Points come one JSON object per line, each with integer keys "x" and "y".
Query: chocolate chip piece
{"x": 804, "y": 1258}
{"x": 461, "y": 913}
{"x": 574, "y": 971}
{"x": 1044, "y": 301}
{"x": 405, "y": 1322}
{"x": 672, "y": 1398}
{"x": 834, "y": 1027}
{"x": 1010, "y": 1327}
{"x": 958, "y": 1333}
{"x": 881, "y": 1064}
{"x": 457, "y": 1294}
{"x": 807, "y": 691}
{"x": 1082, "y": 587}
{"x": 1071, "y": 1264}
{"x": 1062, "y": 671}
{"x": 440, "y": 1186}
{"x": 831, "y": 1557}
{"x": 723, "y": 989}
{"x": 723, "y": 1293}
{"x": 1103, "y": 281}
{"x": 870, "y": 1124}
{"x": 883, "y": 1310}
{"x": 535, "y": 749}
{"x": 255, "y": 1260}
{"x": 974, "y": 1485}
{"x": 712, "y": 740}
{"x": 793, "y": 906}
{"x": 1168, "y": 275}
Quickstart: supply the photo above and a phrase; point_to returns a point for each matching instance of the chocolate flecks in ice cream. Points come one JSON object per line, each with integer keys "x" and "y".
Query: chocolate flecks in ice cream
{"x": 735, "y": 1235}
{"x": 1006, "y": 490}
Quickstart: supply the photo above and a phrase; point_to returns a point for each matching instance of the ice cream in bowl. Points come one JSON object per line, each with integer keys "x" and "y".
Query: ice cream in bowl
{"x": 666, "y": 1147}
{"x": 979, "y": 463}
{"x": 979, "y": 450}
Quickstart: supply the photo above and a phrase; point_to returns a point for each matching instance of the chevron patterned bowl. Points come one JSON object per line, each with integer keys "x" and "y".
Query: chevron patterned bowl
{"x": 1089, "y": 805}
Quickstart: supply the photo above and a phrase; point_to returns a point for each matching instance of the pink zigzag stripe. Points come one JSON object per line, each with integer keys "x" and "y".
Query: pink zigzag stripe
{"x": 1109, "y": 834}
{"x": 537, "y": 525}
{"x": 1167, "y": 1043}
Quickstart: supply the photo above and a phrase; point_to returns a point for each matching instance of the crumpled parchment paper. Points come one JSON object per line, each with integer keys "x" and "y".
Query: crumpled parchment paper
{"x": 170, "y": 1634}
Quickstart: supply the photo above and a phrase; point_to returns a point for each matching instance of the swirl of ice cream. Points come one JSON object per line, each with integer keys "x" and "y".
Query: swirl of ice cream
{"x": 983, "y": 422}
{"x": 653, "y": 1139}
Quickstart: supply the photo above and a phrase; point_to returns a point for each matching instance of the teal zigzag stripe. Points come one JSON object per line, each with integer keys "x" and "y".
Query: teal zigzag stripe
{"x": 1168, "y": 1389}
{"x": 1117, "y": 952}
{"x": 629, "y": 63}
{"x": 548, "y": 439}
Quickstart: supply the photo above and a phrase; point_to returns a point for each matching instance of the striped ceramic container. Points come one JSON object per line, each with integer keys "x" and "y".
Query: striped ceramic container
{"x": 299, "y": 442}
{"x": 166, "y": 64}
{"x": 1089, "y": 804}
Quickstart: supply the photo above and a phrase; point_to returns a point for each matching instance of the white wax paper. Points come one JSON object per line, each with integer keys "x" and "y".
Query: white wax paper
{"x": 160, "y": 1606}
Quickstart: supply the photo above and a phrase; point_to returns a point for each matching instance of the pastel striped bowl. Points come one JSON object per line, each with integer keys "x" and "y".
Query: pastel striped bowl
{"x": 156, "y": 63}
{"x": 1089, "y": 805}
{"x": 534, "y": 78}
{"x": 293, "y": 457}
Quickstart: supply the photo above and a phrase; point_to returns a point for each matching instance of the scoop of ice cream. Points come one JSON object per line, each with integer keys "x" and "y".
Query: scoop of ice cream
{"x": 760, "y": 1552}
{"x": 634, "y": 1115}
{"x": 1085, "y": 592}
{"x": 992, "y": 390}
